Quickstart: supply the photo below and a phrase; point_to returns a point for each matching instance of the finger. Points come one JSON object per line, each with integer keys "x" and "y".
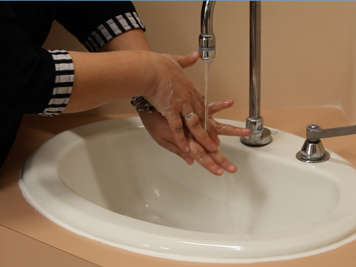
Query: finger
{"x": 186, "y": 60}
{"x": 176, "y": 125}
{"x": 173, "y": 148}
{"x": 223, "y": 162}
{"x": 204, "y": 158}
{"x": 195, "y": 128}
{"x": 229, "y": 130}
{"x": 198, "y": 104}
{"x": 213, "y": 133}
{"x": 218, "y": 106}
{"x": 199, "y": 107}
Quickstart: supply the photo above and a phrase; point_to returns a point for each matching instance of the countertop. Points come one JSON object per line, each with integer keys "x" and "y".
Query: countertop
{"x": 29, "y": 239}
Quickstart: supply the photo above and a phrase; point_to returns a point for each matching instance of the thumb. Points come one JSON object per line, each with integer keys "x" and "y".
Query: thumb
{"x": 186, "y": 60}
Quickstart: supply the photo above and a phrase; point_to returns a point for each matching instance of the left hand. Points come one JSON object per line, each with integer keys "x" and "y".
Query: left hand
{"x": 158, "y": 126}
{"x": 215, "y": 162}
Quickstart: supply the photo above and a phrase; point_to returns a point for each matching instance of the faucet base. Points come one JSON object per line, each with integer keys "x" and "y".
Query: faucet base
{"x": 259, "y": 136}
{"x": 313, "y": 152}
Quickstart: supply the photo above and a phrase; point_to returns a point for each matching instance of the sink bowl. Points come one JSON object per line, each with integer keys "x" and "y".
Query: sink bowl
{"x": 109, "y": 181}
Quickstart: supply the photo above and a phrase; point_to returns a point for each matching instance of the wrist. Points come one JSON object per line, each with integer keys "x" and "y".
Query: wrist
{"x": 141, "y": 104}
{"x": 151, "y": 74}
{"x": 139, "y": 68}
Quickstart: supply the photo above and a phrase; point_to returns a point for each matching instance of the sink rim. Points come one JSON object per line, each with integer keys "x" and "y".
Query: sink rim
{"x": 147, "y": 227}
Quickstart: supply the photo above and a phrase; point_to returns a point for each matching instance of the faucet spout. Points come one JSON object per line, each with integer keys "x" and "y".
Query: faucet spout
{"x": 207, "y": 36}
{"x": 259, "y": 136}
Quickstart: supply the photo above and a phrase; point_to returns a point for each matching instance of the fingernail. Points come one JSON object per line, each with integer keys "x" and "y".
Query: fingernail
{"x": 220, "y": 171}
{"x": 247, "y": 131}
{"x": 232, "y": 168}
{"x": 227, "y": 101}
{"x": 195, "y": 53}
{"x": 189, "y": 161}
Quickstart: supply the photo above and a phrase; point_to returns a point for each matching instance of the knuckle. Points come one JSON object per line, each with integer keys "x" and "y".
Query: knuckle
{"x": 204, "y": 161}
{"x": 178, "y": 129}
{"x": 177, "y": 126}
{"x": 222, "y": 161}
{"x": 196, "y": 150}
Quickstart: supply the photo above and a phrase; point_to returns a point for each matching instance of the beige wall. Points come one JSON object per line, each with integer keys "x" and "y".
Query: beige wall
{"x": 308, "y": 50}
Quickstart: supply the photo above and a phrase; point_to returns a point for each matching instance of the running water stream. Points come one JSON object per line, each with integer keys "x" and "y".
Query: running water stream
{"x": 206, "y": 87}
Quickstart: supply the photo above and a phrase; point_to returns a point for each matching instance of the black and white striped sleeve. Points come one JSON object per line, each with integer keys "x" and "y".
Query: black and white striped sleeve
{"x": 63, "y": 83}
{"x": 99, "y": 22}
{"x": 111, "y": 28}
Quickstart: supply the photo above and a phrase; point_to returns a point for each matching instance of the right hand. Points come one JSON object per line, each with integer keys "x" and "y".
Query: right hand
{"x": 215, "y": 162}
{"x": 175, "y": 96}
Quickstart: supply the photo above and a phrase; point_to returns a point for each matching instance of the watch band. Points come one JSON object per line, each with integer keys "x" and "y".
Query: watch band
{"x": 141, "y": 104}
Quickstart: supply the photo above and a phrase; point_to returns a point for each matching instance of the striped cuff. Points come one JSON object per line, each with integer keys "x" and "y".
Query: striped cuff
{"x": 111, "y": 28}
{"x": 63, "y": 83}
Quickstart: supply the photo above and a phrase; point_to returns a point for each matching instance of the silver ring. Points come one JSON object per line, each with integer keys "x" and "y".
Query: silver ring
{"x": 189, "y": 115}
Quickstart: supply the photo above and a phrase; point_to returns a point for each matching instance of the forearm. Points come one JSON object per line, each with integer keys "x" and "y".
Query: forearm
{"x": 132, "y": 40}
{"x": 102, "y": 77}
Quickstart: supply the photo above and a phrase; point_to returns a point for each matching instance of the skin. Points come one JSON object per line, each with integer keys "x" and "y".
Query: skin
{"x": 162, "y": 82}
{"x": 215, "y": 162}
{"x": 158, "y": 77}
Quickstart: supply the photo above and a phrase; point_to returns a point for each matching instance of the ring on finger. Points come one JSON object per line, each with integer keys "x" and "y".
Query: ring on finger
{"x": 189, "y": 115}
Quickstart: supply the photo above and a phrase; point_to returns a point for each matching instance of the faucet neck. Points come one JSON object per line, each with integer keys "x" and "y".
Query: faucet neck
{"x": 207, "y": 37}
{"x": 260, "y": 135}
{"x": 206, "y": 18}
{"x": 255, "y": 59}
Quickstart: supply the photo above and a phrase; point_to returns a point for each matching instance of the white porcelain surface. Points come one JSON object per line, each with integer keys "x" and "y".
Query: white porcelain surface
{"x": 110, "y": 182}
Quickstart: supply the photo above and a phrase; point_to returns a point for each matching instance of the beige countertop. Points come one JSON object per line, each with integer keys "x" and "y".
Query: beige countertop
{"x": 29, "y": 239}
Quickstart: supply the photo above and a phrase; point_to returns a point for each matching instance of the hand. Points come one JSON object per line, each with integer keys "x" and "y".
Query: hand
{"x": 175, "y": 96}
{"x": 215, "y": 162}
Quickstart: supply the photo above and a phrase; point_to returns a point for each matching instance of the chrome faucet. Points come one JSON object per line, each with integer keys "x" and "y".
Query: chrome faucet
{"x": 313, "y": 149}
{"x": 207, "y": 36}
{"x": 259, "y": 136}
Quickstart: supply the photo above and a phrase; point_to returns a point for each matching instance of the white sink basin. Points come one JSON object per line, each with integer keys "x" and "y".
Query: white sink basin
{"x": 110, "y": 182}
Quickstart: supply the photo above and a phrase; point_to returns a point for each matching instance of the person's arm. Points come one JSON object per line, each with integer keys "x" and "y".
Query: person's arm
{"x": 134, "y": 39}
{"x": 100, "y": 77}
{"x": 158, "y": 127}
{"x": 113, "y": 26}
{"x": 101, "y": 24}
{"x": 29, "y": 74}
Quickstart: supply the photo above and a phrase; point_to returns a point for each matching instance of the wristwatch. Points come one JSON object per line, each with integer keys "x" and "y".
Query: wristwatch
{"x": 141, "y": 104}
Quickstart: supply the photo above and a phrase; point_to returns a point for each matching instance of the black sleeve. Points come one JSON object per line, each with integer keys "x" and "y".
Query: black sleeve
{"x": 27, "y": 72}
{"x": 33, "y": 80}
{"x": 96, "y": 23}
